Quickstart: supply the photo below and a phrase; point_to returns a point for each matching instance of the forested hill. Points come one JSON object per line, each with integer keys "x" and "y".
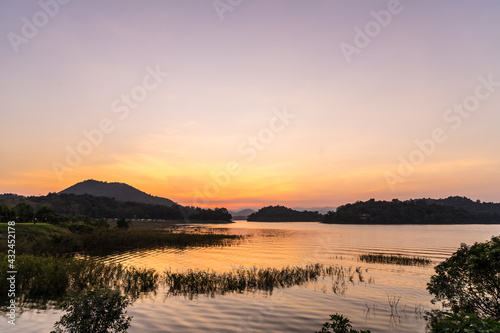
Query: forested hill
{"x": 283, "y": 214}
{"x": 468, "y": 204}
{"x": 56, "y": 208}
{"x": 119, "y": 191}
{"x": 406, "y": 212}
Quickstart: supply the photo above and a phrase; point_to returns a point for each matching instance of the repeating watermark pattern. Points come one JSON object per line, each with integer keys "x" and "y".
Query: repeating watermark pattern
{"x": 454, "y": 117}
{"x": 223, "y": 6}
{"x": 31, "y": 27}
{"x": 248, "y": 149}
{"x": 11, "y": 273}
{"x": 364, "y": 36}
{"x": 120, "y": 106}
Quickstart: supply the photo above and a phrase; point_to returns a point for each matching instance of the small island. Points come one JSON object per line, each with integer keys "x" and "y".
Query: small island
{"x": 420, "y": 211}
{"x": 283, "y": 214}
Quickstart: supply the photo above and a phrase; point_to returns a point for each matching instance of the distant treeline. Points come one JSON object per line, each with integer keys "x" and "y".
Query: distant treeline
{"x": 421, "y": 211}
{"x": 283, "y": 214}
{"x": 469, "y": 205}
{"x": 55, "y": 208}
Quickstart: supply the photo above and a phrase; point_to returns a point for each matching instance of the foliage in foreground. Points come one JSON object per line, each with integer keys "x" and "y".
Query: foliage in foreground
{"x": 444, "y": 322}
{"x": 469, "y": 281}
{"x": 94, "y": 310}
{"x": 339, "y": 324}
{"x": 394, "y": 259}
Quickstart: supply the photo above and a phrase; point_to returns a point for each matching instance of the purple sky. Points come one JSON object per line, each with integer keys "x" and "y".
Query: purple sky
{"x": 352, "y": 119}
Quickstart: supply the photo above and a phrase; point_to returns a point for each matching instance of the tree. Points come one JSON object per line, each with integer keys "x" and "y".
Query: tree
{"x": 443, "y": 322}
{"x": 24, "y": 212}
{"x": 469, "y": 281}
{"x": 94, "y": 310}
{"x": 47, "y": 214}
{"x": 6, "y": 214}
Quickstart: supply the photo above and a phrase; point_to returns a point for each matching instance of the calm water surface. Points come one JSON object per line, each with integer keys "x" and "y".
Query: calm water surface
{"x": 301, "y": 308}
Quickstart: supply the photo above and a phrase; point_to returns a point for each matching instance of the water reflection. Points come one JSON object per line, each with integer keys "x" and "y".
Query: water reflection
{"x": 296, "y": 308}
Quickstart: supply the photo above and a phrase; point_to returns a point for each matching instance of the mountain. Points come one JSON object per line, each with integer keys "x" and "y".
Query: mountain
{"x": 241, "y": 214}
{"x": 283, "y": 214}
{"x": 120, "y": 191}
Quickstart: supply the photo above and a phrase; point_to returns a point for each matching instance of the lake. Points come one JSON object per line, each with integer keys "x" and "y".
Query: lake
{"x": 300, "y": 308}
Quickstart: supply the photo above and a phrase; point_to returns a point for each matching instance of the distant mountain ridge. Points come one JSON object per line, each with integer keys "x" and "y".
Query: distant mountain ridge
{"x": 241, "y": 214}
{"x": 119, "y": 191}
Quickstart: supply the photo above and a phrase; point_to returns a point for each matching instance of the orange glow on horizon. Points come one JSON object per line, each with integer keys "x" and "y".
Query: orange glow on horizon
{"x": 255, "y": 189}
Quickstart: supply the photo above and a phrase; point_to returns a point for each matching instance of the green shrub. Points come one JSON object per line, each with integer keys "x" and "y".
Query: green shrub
{"x": 80, "y": 228}
{"x": 123, "y": 223}
{"x": 94, "y": 310}
{"x": 444, "y": 322}
{"x": 469, "y": 281}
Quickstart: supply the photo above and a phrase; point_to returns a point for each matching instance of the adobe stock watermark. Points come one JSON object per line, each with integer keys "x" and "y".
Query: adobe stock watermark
{"x": 248, "y": 149}
{"x": 121, "y": 106}
{"x": 31, "y": 27}
{"x": 223, "y": 6}
{"x": 363, "y": 37}
{"x": 454, "y": 117}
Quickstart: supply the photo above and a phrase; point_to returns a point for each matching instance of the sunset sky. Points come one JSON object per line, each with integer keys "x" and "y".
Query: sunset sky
{"x": 246, "y": 103}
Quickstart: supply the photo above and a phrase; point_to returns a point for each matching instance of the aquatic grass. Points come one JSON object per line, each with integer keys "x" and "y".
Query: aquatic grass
{"x": 42, "y": 279}
{"x": 393, "y": 301}
{"x": 137, "y": 281}
{"x": 208, "y": 282}
{"x": 397, "y": 259}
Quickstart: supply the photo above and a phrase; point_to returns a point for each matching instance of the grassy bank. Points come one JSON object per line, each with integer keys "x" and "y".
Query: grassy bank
{"x": 117, "y": 240}
{"x": 51, "y": 239}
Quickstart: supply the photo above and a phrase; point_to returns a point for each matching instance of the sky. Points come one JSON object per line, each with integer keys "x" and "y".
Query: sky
{"x": 247, "y": 103}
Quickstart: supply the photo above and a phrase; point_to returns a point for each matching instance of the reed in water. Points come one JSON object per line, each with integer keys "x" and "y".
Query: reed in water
{"x": 208, "y": 282}
{"x": 395, "y": 259}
